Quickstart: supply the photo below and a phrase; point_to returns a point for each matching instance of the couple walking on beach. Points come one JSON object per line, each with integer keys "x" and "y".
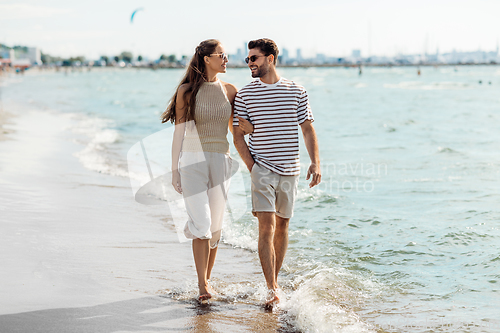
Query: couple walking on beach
{"x": 270, "y": 109}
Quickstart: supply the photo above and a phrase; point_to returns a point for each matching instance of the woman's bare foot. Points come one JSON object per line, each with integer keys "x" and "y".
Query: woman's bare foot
{"x": 204, "y": 288}
{"x": 204, "y": 297}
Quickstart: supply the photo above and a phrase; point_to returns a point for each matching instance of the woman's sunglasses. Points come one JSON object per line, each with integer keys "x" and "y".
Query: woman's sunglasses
{"x": 253, "y": 58}
{"x": 221, "y": 55}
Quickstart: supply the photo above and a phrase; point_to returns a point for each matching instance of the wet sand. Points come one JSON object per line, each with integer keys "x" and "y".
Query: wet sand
{"x": 4, "y": 124}
{"x": 80, "y": 255}
{"x": 149, "y": 314}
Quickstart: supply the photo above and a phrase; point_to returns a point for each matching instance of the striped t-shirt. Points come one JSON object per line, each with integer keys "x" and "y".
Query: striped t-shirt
{"x": 275, "y": 111}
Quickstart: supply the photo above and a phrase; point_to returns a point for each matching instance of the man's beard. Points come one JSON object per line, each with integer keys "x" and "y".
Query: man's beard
{"x": 260, "y": 72}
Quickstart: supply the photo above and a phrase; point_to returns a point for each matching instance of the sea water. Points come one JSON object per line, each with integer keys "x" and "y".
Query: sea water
{"x": 403, "y": 233}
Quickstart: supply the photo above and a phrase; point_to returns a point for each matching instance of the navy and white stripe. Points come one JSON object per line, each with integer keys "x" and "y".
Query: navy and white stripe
{"x": 275, "y": 110}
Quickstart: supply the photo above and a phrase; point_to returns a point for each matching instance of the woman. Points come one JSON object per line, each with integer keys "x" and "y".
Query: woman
{"x": 201, "y": 167}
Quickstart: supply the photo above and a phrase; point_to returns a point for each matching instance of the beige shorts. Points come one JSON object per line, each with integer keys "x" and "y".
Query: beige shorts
{"x": 272, "y": 192}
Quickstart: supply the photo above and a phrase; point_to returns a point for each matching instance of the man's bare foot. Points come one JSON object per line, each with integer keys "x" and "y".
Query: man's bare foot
{"x": 210, "y": 289}
{"x": 271, "y": 299}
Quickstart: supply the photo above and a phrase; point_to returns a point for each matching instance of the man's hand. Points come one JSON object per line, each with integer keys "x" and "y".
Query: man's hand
{"x": 311, "y": 142}
{"x": 241, "y": 146}
{"x": 314, "y": 172}
{"x": 245, "y": 125}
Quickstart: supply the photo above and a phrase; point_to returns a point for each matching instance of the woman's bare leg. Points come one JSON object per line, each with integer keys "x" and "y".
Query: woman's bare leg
{"x": 211, "y": 261}
{"x": 201, "y": 254}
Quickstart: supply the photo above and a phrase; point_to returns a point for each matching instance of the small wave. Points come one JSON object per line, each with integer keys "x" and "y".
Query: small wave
{"x": 300, "y": 232}
{"x": 423, "y": 180}
{"x": 243, "y": 233}
{"x": 389, "y": 128}
{"x": 242, "y": 292}
{"x": 326, "y": 301}
{"x": 97, "y": 138}
{"x": 322, "y": 300}
{"x": 417, "y": 85}
{"x": 306, "y": 194}
{"x": 446, "y": 150}
{"x": 120, "y": 103}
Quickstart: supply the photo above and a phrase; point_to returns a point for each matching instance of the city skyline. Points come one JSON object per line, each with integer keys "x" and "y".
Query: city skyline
{"x": 380, "y": 28}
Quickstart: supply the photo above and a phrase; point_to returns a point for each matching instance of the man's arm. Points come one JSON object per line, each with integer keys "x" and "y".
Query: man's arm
{"x": 311, "y": 142}
{"x": 241, "y": 147}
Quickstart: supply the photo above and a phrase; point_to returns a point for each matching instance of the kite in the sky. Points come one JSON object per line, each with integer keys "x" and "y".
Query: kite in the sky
{"x": 133, "y": 14}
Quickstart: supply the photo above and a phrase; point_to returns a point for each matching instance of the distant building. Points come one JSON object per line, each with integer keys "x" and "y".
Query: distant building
{"x": 299, "y": 55}
{"x": 237, "y": 59}
{"x": 34, "y": 55}
{"x": 7, "y": 54}
{"x": 239, "y": 54}
{"x": 284, "y": 57}
{"x": 30, "y": 54}
{"x": 320, "y": 59}
{"x": 475, "y": 57}
{"x": 356, "y": 53}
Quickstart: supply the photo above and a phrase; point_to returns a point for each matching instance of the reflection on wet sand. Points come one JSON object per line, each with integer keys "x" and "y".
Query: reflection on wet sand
{"x": 237, "y": 317}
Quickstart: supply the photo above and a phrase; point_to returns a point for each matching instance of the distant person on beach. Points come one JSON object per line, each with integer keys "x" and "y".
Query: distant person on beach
{"x": 276, "y": 107}
{"x": 201, "y": 167}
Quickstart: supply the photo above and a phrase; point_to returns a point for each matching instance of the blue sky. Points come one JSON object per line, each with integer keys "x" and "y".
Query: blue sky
{"x": 386, "y": 27}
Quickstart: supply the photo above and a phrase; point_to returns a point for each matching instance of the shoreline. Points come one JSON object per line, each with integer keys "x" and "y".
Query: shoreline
{"x": 5, "y": 119}
{"x": 354, "y": 66}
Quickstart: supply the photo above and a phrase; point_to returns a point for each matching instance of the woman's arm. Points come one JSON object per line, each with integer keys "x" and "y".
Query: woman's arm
{"x": 244, "y": 124}
{"x": 180, "y": 125}
{"x": 231, "y": 91}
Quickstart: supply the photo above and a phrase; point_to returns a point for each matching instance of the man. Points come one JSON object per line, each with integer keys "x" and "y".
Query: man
{"x": 275, "y": 106}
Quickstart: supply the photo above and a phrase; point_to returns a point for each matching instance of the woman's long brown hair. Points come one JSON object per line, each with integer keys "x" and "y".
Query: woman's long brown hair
{"x": 194, "y": 78}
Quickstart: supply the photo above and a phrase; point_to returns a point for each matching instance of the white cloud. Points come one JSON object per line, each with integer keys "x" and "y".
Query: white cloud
{"x": 19, "y": 11}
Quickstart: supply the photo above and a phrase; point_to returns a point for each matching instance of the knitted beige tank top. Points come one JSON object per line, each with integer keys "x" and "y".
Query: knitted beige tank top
{"x": 211, "y": 113}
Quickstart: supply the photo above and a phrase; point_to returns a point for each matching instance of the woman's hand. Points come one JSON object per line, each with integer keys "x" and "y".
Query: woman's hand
{"x": 176, "y": 181}
{"x": 245, "y": 125}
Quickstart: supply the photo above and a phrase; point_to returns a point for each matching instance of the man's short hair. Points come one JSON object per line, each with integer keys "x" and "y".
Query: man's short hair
{"x": 266, "y": 46}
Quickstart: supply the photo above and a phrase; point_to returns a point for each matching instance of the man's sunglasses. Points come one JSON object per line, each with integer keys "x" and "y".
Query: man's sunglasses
{"x": 221, "y": 55}
{"x": 253, "y": 58}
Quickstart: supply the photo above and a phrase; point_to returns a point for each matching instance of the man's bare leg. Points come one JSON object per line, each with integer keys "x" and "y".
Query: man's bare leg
{"x": 280, "y": 243}
{"x": 267, "y": 226}
{"x": 267, "y": 254}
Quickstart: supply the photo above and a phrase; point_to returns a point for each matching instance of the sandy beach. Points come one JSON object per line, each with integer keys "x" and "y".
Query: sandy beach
{"x": 80, "y": 255}
{"x": 4, "y": 124}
